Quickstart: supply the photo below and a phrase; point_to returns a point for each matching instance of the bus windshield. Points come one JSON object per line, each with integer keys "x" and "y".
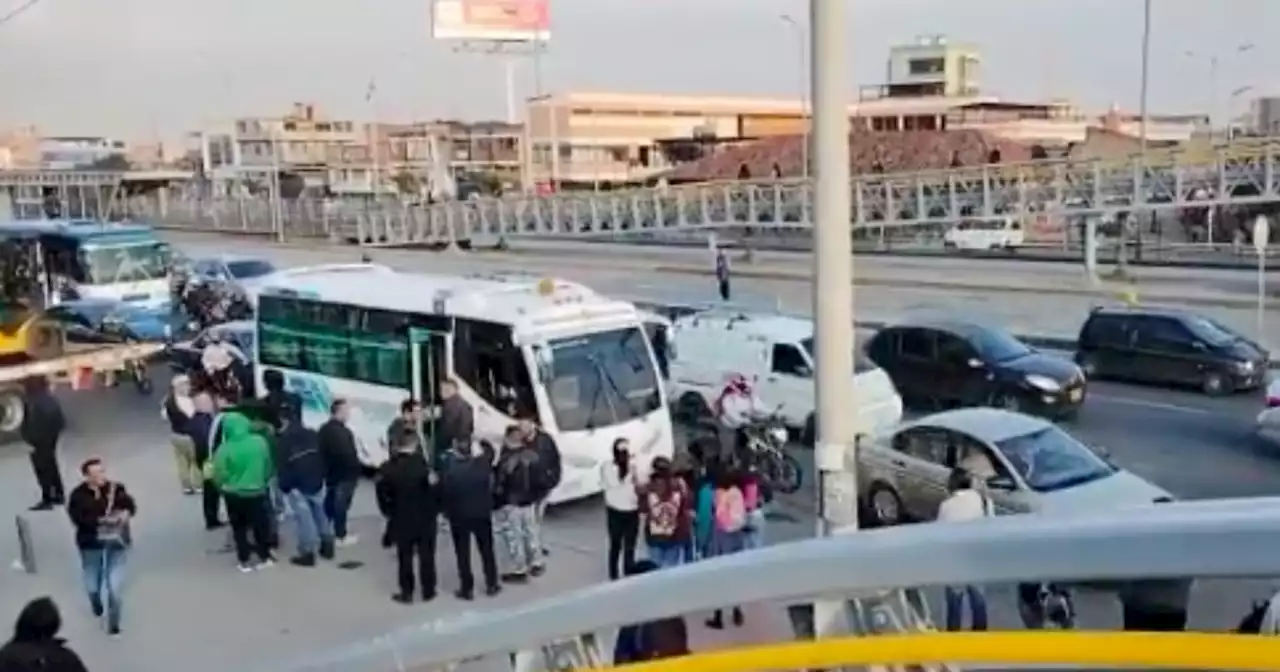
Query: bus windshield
{"x": 146, "y": 260}
{"x": 602, "y": 379}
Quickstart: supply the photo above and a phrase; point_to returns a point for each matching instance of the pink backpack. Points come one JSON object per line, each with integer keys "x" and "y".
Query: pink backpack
{"x": 730, "y": 510}
{"x": 751, "y": 495}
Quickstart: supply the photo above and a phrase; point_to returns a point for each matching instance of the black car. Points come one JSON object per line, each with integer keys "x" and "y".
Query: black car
{"x": 948, "y": 363}
{"x": 241, "y": 335}
{"x": 1170, "y": 347}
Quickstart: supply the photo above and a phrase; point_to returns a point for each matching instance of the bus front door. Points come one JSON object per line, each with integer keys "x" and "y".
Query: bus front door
{"x": 428, "y": 366}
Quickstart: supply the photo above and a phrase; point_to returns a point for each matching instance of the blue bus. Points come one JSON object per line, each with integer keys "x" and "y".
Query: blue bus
{"x": 95, "y": 259}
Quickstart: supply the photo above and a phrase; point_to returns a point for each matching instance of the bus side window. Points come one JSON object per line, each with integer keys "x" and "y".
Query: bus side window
{"x": 487, "y": 361}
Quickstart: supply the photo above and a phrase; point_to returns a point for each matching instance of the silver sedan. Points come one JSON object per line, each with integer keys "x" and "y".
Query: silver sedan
{"x": 1027, "y": 465}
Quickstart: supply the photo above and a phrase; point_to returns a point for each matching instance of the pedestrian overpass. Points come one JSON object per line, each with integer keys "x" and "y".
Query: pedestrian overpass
{"x": 1246, "y": 174}
{"x": 876, "y": 576}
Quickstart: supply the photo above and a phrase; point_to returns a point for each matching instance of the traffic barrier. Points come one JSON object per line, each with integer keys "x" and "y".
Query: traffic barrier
{"x": 1150, "y": 650}
{"x": 1212, "y": 539}
{"x": 26, "y": 545}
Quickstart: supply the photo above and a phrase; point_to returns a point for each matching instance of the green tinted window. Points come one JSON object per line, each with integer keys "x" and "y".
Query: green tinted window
{"x": 334, "y": 340}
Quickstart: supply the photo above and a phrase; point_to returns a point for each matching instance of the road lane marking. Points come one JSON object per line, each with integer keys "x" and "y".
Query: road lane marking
{"x": 1145, "y": 403}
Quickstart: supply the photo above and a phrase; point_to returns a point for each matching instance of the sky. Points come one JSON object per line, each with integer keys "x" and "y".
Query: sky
{"x": 142, "y": 69}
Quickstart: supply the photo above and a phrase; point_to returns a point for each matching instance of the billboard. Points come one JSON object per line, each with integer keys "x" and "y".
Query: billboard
{"x": 491, "y": 20}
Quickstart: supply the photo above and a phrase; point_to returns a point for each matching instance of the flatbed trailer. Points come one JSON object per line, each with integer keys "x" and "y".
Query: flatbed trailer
{"x": 77, "y": 367}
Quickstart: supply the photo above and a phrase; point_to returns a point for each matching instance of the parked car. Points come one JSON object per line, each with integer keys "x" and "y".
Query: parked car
{"x": 241, "y": 335}
{"x": 1169, "y": 347}
{"x": 1269, "y": 417}
{"x": 1028, "y": 465}
{"x": 948, "y": 363}
{"x": 242, "y": 273}
{"x": 110, "y": 321}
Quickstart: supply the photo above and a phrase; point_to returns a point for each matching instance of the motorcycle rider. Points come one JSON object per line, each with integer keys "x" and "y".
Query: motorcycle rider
{"x": 736, "y": 408}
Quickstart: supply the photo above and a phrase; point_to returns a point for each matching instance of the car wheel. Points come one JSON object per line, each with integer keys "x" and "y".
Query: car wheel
{"x": 1215, "y": 384}
{"x": 885, "y": 506}
{"x": 11, "y": 411}
{"x": 691, "y": 408}
{"x": 1007, "y": 401}
{"x": 1088, "y": 365}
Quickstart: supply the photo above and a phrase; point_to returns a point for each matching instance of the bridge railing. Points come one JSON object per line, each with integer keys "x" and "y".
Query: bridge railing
{"x": 1047, "y": 198}
{"x": 1218, "y": 539}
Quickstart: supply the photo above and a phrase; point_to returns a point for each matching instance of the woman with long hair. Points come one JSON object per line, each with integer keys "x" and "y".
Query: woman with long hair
{"x": 622, "y": 508}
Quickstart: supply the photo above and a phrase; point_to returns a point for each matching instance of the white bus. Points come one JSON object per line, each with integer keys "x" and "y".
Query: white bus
{"x": 375, "y": 337}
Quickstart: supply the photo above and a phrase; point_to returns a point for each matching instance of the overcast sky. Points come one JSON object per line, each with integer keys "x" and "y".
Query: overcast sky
{"x": 138, "y": 68}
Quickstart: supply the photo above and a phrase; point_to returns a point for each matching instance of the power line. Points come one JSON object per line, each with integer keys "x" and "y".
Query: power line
{"x": 17, "y": 11}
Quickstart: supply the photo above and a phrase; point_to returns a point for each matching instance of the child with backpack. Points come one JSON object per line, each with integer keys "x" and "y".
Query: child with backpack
{"x": 666, "y": 505}
{"x": 729, "y": 526}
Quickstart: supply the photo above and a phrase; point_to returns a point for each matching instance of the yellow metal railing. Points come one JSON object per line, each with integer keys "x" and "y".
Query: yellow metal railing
{"x": 1183, "y": 651}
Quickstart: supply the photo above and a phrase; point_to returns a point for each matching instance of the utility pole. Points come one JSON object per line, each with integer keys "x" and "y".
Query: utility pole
{"x": 833, "y": 287}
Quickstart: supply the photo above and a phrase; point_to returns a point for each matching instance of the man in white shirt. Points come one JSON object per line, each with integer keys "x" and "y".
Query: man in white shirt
{"x": 964, "y": 504}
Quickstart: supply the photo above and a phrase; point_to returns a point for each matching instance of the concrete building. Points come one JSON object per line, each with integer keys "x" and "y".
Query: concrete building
{"x": 588, "y": 138}
{"x": 933, "y": 66}
{"x": 303, "y": 142}
{"x": 1264, "y": 116}
{"x": 66, "y": 152}
{"x": 1061, "y": 123}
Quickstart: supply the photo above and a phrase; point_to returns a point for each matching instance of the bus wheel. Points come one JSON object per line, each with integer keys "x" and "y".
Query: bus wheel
{"x": 10, "y": 411}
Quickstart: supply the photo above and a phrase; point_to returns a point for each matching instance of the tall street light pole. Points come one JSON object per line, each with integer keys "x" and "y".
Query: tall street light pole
{"x": 802, "y": 46}
{"x": 833, "y": 287}
{"x": 1122, "y": 255}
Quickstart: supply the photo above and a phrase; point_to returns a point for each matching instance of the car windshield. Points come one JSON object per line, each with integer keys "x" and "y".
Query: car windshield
{"x": 861, "y": 363}
{"x": 995, "y": 345}
{"x": 1050, "y": 459}
{"x": 1210, "y": 331}
{"x": 249, "y": 268}
{"x": 602, "y": 379}
{"x": 125, "y": 263}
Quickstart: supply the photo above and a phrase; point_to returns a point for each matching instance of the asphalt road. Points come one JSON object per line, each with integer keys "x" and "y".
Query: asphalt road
{"x": 187, "y": 608}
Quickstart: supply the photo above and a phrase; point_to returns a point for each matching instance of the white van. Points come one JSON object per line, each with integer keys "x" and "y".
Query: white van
{"x": 776, "y": 352}
{"x": 1000, "y": 233}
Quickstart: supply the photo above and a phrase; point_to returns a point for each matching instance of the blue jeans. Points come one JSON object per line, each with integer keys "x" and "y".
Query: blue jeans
{"x": 337, "y": 503}
{"x": 279, "y": 501}
{"x": 311, "y": 520}
{"x": 667, "y": 555}
{"x": 955, "y": 598}
{"x": 103, "y": 570}
{"x": 753, "y": 535}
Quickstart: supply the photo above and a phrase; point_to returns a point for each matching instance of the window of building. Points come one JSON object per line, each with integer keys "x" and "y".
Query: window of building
{"x": 926, "y": 66}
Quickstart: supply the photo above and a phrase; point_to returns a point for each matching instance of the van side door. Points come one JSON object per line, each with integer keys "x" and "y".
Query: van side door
{"x": 1166, "y": 352}
{"x": 788, "y": 385}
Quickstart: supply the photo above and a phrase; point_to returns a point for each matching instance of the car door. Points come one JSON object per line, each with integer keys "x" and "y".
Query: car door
{"x": 916, "y": 365}
{"x": 788, "y": 383}
{"x": 919, "y": 460}
{"x": 954, "y": 376}
{"x": 1165, "y": 351}
{"x": 1107, "y": 346}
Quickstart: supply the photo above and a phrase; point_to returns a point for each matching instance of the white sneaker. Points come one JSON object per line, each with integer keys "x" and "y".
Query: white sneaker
{"x": 244, "y": 569}
{"x": 343, "y": 542}
{"x": 266, "y": 564}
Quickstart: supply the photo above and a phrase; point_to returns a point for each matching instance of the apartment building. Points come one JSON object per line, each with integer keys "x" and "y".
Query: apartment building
{"x": 303, "y": 142}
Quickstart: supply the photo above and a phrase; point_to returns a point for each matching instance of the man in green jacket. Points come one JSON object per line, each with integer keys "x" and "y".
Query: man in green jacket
{"x": 242, "y": 468}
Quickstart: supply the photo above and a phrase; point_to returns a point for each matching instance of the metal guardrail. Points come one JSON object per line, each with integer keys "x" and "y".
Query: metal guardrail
{"x": 1219, "y": 539}
{"x": 1242, "y": 176}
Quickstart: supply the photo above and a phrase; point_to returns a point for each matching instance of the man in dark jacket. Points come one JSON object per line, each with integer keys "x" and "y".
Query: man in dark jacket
{"x": 101, "y": 511}
{"x": 457, "y": 423}
{"x": 407, "y": 497}
{"x": 36, "y": 645}
{"x": 300, "y": 472}
{"x": 277, "y": 399}
{"x": 199, "y": 427}
{"x": 42, "y": 425}
{"x": 342, "y": 469}
{"x": 517, "y": 493}
{"x": 550, "y": 468}
{"x": 466, "y": 493}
